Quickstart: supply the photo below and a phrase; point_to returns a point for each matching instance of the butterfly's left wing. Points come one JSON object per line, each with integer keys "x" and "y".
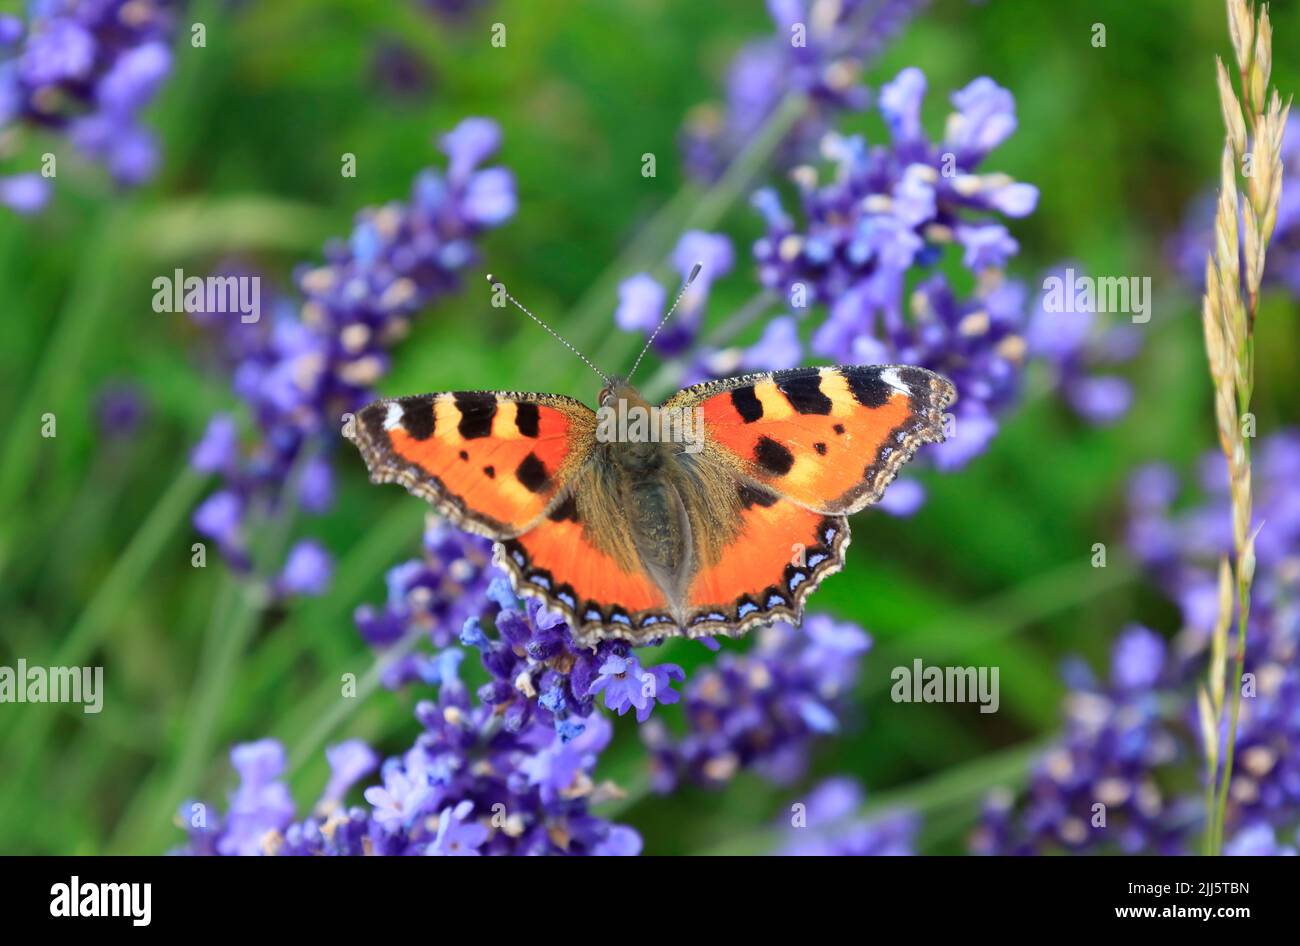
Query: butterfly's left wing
{"x": 829, "y": 439}
{"x": 494, "y": 463}
{"x": 806, "y": 448}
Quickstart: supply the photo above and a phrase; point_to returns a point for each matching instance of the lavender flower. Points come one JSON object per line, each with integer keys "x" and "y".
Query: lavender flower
{"x": 761, "y": 710}
{"x": 458, "y": 836}
{"x": 626, "y": 684}
{"x": 819, "y": 49}
{"x": 25, "y": 194}
{"x": 889, "y": 211}
{"x": 434, "y": 595}
{"x": 85, "y": 70}
{"x": 1099, "y": 786}
{"x": 826, "y": 825}
{"x": 890, "y": 208}
{"x": 467, "y": 786}
{"x": 453, "y": 11}
{"x": 398, "y": 70}
{"x": 1077, "y": 345}
{"x": 642, "y": 301}
{"x": 539, "y": 672}
{"x": 300, "y": 373}
{"x": 1258, "y": 840}
{"x": 307, "y": 570}
{"x": 262, "y": 804}
{"x": 120, "y": 409}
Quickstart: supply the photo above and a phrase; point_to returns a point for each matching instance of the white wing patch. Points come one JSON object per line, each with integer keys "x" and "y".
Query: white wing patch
{"x": 891, "y": 378}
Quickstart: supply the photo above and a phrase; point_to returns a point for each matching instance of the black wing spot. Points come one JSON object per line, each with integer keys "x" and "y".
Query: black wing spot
{"x": 532, "y": 473}
{"x": 839, "y": 428}
{"x": 476, "y": 412}
{"x": 372, "y": 418}
{"x": 490, "y": 471}
{"x": 417, "y": 416}
{"x": 820, "y": 447}
{"x": 747, "y": 404}
{"x": 805, "y": 394}
{"x": 527, "y": 418}
{"x": 464, "y": 455}
{"x": 866, "y": 386}
{"x": 751, "y": 496}
{"x": 773, "y": 457}
{"x": 566, "y": 510}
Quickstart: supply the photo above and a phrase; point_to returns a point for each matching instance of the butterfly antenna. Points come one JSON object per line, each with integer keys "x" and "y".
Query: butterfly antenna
{"x": 554, "y": 334}
{"x": 695, "y": 271}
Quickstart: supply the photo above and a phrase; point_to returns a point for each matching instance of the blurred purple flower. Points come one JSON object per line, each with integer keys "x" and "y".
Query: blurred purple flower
{"x": 1258, "y": 840}
{"x": 349, "y": 762}
{"x": 25, "y": 193}
{"x": 453, "y": 11}
{"x": 262, "y": 804}
{"x": 85, "y": 70}
{"x": 819, "y": 49}
{"x": 120, "y": 409}
{"x": 761, "y": 710}
{"x": 307, "y": 569}
{"x": 397, "y": 68}
{"x": 1076, "y": 343}
{"x": 826, "y": 825}
{"x": 1098, "y": 786}
{"x": 642, "y": 300}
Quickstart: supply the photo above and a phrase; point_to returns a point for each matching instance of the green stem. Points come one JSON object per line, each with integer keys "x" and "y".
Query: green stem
{"x": 340, "y": 709}
{"x": 1221, "y": 812}
{"x": 143, "y": 826}
{"x": 148, "y": 820}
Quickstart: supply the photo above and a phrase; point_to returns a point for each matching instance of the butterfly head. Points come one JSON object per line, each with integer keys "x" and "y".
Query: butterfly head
{"x": 617, "y": 389}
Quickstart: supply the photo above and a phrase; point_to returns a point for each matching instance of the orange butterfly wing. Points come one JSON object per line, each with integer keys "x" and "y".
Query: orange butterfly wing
{"x": 601, "y": 592}
{"x": 782, "y": 553}
{"x": 493, "y": 463}
{"x": 808, "y": 447}
{"x": 830, "y": 439}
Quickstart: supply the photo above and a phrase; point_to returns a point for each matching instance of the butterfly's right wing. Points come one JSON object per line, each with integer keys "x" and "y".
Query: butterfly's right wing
{"x": 493, "y": 463}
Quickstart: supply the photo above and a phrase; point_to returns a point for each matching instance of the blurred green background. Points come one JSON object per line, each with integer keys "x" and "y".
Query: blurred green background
{"x": 95, "y": 537}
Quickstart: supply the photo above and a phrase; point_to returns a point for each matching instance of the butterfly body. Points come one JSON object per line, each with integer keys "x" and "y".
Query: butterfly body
{"x": 719, "y": 510}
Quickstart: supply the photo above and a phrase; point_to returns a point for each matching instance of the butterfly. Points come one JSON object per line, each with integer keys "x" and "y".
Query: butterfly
{"x": 720, "y": 510}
